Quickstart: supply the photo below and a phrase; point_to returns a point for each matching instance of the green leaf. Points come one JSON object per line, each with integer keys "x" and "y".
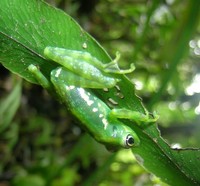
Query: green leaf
{"x": 31, "y": 180}
{"x": 178, "y": 45}
{"x": 9, "y": 106}
{"x": 28, "y": 26}
{"x": 175, "y": 167}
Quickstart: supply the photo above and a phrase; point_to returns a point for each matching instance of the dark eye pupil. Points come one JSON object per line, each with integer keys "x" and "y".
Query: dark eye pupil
{"x": 129, "y": 140}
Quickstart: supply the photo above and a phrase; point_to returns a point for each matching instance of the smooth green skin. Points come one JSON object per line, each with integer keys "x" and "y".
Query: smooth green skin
{"x": 137, "y": 117}
{"x": 79, "y": 71}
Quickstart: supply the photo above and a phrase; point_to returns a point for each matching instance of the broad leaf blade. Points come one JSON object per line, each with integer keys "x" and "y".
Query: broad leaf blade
{"x": 173, "y": 166}
{"x": 28, "y": 26}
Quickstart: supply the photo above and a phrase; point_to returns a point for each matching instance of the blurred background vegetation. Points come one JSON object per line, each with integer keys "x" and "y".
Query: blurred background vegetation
{"x": 40, "y": 143}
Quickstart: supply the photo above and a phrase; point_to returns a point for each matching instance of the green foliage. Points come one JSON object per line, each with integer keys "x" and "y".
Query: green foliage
{"x": 9, "y": 105}
{"x": 46, "y": 150}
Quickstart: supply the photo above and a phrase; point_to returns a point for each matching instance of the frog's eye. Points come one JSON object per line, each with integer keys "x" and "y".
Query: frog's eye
{"x": 129, "y": 140}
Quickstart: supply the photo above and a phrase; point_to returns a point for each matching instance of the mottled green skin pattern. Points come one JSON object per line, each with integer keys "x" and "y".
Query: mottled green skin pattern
{"x": 84, "y": 73}
{"x": 93, "y": 114}
{"x": 85, "y": 70}
{"x": 80, "y": 70}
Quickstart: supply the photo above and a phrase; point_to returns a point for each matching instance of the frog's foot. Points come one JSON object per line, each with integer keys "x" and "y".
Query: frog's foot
{"x": 154, "y": 117}
{"x": 41, "y": 79}
{"x": 113, "y": 67}
{"x": 133, "y": 115}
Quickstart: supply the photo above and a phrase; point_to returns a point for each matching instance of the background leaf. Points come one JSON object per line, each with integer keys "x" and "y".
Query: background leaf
{"x": 9, "y": 106}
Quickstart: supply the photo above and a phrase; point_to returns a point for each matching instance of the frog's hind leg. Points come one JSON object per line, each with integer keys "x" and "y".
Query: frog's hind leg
{"x": 72, "y": 79}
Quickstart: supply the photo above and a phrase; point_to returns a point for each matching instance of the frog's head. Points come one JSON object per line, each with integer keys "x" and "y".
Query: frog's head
{"x": 126, "y": 136}
{"x": 122, "y": 137}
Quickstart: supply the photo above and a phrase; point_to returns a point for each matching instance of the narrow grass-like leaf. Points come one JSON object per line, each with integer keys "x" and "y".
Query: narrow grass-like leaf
{"x": 9, "y": 106}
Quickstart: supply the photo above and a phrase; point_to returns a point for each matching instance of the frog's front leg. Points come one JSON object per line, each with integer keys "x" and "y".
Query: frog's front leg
{"x": 41, "y": 79}
{"x": 136, "y": 116}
